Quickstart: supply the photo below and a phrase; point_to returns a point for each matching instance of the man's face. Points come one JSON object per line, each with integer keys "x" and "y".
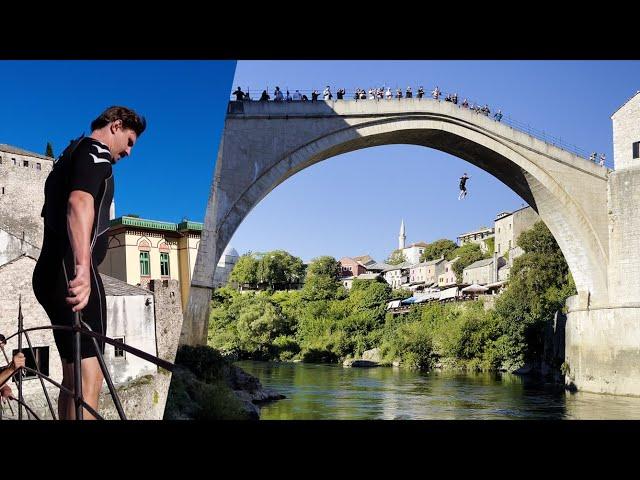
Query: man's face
{"x": 123, "y": 141}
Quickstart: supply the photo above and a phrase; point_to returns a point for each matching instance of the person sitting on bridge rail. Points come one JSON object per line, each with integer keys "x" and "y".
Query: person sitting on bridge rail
{"x": 420, "y": 92}
{"x": 602, "y": 159}
{"x": 465, "y": 103}
{"x": 409, "y": 93}
{"x": 380, "y": 93}
{"x": 436, "y": 93}
{"x": 593, "y": 157}
{"x": 389, "y": 94}
{"x": 340, "y": 93}
{"x": 372, "y": 94}
{"x": 314, "y": 96}
{"x": 288, "y": 97}
{"x": 277, "y": 94}
{"x": 326, "y": 94}
{"x": 398, "y": 93}
{"x": 296, "y": 96}
{"x": 239, "y": 94}
{"x": 454, "y": 98}
{"x": 498, "y": 115}
{"x": 265, "y": 96}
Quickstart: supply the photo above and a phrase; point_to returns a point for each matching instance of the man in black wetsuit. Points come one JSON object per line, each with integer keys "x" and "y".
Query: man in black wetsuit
{"x": 78, "y": 195}
{"x": 463, "y": 186}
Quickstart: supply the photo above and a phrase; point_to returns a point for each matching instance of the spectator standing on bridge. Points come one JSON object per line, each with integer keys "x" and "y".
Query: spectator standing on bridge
{"x": 420, "y": 92}
{"x": 389, "y": 94}
{"x": 314, "y": 96}
{"x": 593, "y": 157}
{"x": 436, "y": 93}
{"x": 288, "y": 97}
{"x": 340, "y": 94}
{"x": 296, "y": 96}
{"x": 465, "y": 103}
{"x": 265, "y": 96}
{"x": 409, "y": 93}
{"x": 380, "y": 93}
{"x": 398, "y": 93}
{"x": 239, "y": 94}
{"x": 602, "y": 159}
{"x": 372, "y": 94}
{"x": 498, "y": 115}
{"x": 277, "y": 95}
{"x": 326, "y": 94}
{"x": 454, "y": 99}
{"x": 463, "y": 186}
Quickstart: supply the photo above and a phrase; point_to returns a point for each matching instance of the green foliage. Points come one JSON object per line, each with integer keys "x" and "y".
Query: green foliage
{"x": 324, "y": 323}
{"x": 321, "y": 281}
{"x": 400, "y": 294}
{"x": 325, "y": 265}
{"x": 491, "y": 246}
{"x": 467, "y": 253}
{"x": 437, "y": 249}
{"x": 397, "y": 257}
{"x": 245, "y": 271}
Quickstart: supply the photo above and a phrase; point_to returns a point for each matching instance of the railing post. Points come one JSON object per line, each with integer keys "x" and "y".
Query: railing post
{"x": 20, "y": 328}
{"x": 77, "y": 366}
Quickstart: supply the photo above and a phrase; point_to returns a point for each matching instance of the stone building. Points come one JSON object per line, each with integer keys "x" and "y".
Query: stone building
{"x": 508, "y": 227}
{"x": 479, "y": 236}
{"x": 483, "y": 271}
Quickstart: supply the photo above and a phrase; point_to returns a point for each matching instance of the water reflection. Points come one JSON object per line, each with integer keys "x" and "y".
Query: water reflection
{"x": 316, "y": 392}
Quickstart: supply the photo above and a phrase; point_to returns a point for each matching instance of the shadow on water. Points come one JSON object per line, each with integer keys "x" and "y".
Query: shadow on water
{"x": 317, "y": 392}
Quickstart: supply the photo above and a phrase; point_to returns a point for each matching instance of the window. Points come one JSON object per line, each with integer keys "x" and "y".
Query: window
{"x": 164, "y": 264}
{"x": 3, "y": 190}
{"x": 38, "y": 166}
{"x": 118, "y": 352}
{"x": 144, "y": 264}
{"x": 14, "y": 161}
{"x": 498, "y": 248}
{"x": 39, "y": 360}
{"x": 509, "y": 244}
{"x": 636, "y": 150}
{"x": 25, "y": 163}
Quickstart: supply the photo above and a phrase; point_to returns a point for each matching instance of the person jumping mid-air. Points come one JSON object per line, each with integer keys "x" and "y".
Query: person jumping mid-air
{"x": 463, "y": 186}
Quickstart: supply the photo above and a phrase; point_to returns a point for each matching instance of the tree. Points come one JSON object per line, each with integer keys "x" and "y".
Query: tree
{"x": 279, "y": 269}
{"x": 397, "y": 257}
{"x": 321, "y": 280}
{"x": 324, "y": 265}
{"x": 49, "y": 151}
{"x": 468, "y": 253}
{"x": 245, "y": 271}
{"x": 437, "y": 249}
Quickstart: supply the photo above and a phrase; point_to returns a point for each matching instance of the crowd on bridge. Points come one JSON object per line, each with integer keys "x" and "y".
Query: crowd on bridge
{"x": 361, "y": 94}
{"x": 380, "y": 93}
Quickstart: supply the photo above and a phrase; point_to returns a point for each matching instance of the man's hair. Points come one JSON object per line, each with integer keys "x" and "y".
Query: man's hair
{"x": 130, "y": 119}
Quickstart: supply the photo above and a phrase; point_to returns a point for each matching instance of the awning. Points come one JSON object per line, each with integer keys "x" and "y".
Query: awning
{"x": 474, "y": 288}
{"x": 449, "y": 293}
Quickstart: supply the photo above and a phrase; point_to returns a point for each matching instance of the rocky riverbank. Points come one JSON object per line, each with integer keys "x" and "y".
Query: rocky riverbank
{"x": 206, "y": 386}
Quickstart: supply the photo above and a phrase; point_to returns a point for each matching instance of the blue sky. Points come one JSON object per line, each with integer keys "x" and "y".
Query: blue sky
{"x": 308, "y": 216}
{"x": 168, "y": 175}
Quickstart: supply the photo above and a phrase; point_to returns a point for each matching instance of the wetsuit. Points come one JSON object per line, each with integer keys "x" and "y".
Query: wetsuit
{"x": 84, "y": 165}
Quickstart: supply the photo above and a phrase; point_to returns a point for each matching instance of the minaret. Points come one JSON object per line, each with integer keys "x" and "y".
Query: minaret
{"x": 402, "y": 236}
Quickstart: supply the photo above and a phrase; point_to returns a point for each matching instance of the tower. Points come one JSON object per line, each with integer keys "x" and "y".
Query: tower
{"x": 401, "y": 236}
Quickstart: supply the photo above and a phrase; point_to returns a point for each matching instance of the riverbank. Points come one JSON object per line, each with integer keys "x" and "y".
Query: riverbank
{"x": 207, "y": 386}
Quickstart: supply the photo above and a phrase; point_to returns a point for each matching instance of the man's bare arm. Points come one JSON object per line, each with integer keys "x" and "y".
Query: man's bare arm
{"x": 80, "y": 214}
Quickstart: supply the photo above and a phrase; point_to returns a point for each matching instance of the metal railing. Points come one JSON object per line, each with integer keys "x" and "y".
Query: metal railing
{"x": 506, "y": 119}
{"x": 78, "y": 329}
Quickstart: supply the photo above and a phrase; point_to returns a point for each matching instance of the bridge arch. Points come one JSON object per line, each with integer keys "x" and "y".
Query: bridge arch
{"x": 265, "y": 144}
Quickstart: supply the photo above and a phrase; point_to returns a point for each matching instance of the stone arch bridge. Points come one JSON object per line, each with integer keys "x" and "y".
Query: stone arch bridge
{"x": 264, "y": 143}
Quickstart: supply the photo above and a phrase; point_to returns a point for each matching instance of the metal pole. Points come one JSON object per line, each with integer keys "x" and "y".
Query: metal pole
{"x": 107, "y": 377}
{"x": 20, "y": 399}
{"x": 77, "y": 366}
